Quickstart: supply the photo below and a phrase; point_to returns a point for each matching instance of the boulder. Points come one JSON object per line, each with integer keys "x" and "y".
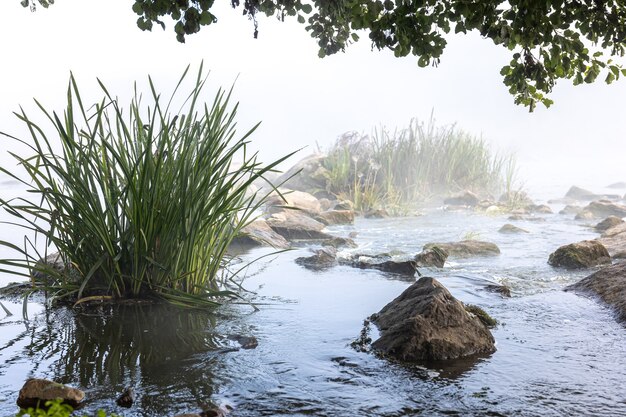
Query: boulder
{"x": 578, "y": 193}
{"x": 37, "y": 391}
{"x": 466, "y": 248}
{"x": 127, "y": 398}
{"x": 511, "y": 229}
{"x": 339, "y": 242}
{"x": 614, "y": 240}
{"x": 379, "y": 263}
{"x": 605, "y": 208}
{"x": 336, "y": 217}
{"x": 466, "y": 198}
{"x": 433, "y": 256}
{"x": 584, "y": 215}
{"x": 325, "y": 204}
{"x": 344, "y": 205}
{"x": 307, "y": 175}
{"x": 293, "y": 199}
{"x": 426, "y": 323}
{"x": 540, "y": 208}
{"x": 617, "y": 185}
{"x": 608, "y": 223}
{"x": 293, "y": 225}
{"x": 376, "y": 214}
{"x": 259, "y": 233}
{"x": 571, "y": 209}
{"x": 609, "y": 283}
{"x": 584, "y": 254}
{"x": 325, "y": 257}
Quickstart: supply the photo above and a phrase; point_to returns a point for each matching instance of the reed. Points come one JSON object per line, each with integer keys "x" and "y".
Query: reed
{"x": 139, "y": 203}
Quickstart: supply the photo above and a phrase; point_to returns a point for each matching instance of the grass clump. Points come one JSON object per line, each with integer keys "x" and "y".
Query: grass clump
{"x": 56, "y": 408}
{"x": 408, "y": 165}
{"x": 140, "y": 202}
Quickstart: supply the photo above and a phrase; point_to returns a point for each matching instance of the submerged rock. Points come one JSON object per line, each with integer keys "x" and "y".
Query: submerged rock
{"x": 608, "y": 223}
{"x": 605, "y": 208}
{"x": 294, "y": 225}
{"x": 466, "y": 248}
{"x": 433, "y": 256}
{"x": 127, "y": 398}
{"x": 321, "y": 258}
{"x": 540, "y": 208}
{"x": 36, "y": 392}
{"x": 609, "y": 284}
{"x": 339, "y": 242}
{"x": 259, "y": 233}
{"x": 466, "y": 198}
{"x": 571, "y": 209}
{"x": 512, "y": 229}
{"x": 584, "y": 254}
{"x": 336, "y": 217}
{"x": 376, "y": 214}
{"x": 426, "y": 323}
{"x": 245, "y": 342}
{"x": 344, "y": 205}
{"x": 396, "y": 267}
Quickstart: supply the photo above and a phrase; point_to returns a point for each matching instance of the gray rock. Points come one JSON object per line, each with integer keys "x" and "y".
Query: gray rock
{"x": 325, "y": 257}
{"x": 344, "y": 205}
{"x": 433, "y": 256}
{"x": 584, "y": 215}
{"x": 512, "y": 229}
{"x": 617, "y": 185}
{"x": 426, "y": 323}
{"x": 578, "y": 193}
{"x": 307, "y": 175}
{"x": 259, "y": 233}
{"x": 339, "y": 242}
{"x": 571, "y": 209}
{"x": 608, "y": 223}
{"x": 614, "y": 239}
{"x": 466, "y": 248}
{"x": 293, "y": 225}
{"x": 584, "y": 254}
{"x": 37, "y": 391}
{"x": 466, "y": 198}
{"x": 300, "y": 200}
{"x": 609, "y": 284}
{"x": 336, "y": 217}
{"x": 605, "y": 208}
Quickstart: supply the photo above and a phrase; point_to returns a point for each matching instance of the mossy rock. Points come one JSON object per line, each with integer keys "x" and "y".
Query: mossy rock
{"x": 482, "y": 315}
{"x": 583, "y": 254}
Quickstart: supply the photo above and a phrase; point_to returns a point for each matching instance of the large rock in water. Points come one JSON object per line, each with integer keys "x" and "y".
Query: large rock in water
{"x": 582, "y": 254}
{"x": 336, "y": 217}
{"x": 426, "y": 323}
{"x": 292, "y": 224}
{"x": 614, "y": 240}
{"x": 609, "y": 284}
{"x": 608, "y": 223}
{"x": 466, "y": 248}
{"x": 259, "y": 233}
{"x": 37, "y": 391}
{"x": 605, "y": 208}
{"x": 578, "y": 193}
{"x": 434, "y": 256}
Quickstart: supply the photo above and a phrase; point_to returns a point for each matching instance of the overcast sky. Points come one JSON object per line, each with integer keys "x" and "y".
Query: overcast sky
{"x": 301, "y": 99}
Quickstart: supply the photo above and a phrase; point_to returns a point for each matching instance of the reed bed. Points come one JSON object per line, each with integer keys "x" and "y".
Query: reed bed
{"x": 139, "y": 203}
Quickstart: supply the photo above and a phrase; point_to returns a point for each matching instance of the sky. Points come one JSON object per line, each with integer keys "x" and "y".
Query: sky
{"x": 305, "y": 101}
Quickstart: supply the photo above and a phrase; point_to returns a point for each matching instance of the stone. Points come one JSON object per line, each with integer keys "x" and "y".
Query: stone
{"x": 426, "y": 323}
{"x": 609, "y": 284}
{"x": 617, "y": 185}
{"x": 336, "y": 217}
{"x": 293, "y": 225}
{"x": 325, "y": 257}
{"x": 584, "y": 254}
{"x": 466, "y": 198}
{"x": 325, "y": 204}
{"x": 344, "y": 205}
{"x": 508, "y": 228}
{"x": 608, "y": 223}
{"x": 396, "y": 267}
{"x": 127, "y": 398}
{"x": 605, "y": 208}
{"x": 376, "y": 214}
{"x": 245, "y": 342}
{"x": 541, "y": 208}
{"x": 584, "y": 215}
{"x": 306, "y": 175}
{"x": 340, "y": 242}
{"x": 259, "y": 233}
{"x": 614, "y": 240}
{"x": 37, "y": 391}
{"x": 300, "y": 200}
{"x": 503, "y": 290}
{"x": 578, "y": 193}
{"x": 466, "y": 248}
{"x": 431, "y": 257}
{"x": 571, "y": 209}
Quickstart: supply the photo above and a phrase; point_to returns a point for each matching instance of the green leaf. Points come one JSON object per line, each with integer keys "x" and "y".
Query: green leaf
{"x": 301, "y": 19}
{"x": 306, "y": 8}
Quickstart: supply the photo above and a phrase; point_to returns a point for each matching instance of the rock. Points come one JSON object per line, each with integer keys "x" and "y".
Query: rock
{"x": 294, "y": 225}
{"x": 344, "y": 205}
{"x": 325, "y": 204}
{"x": 609, "y": 284}
{"x": 605, "y": 208}
{"x": 584, "y": 254}
{"x": 578, "y": 193}
{"x": 571, "y": 209}
{"x": 511, "y": 229}
{"x": 466, "y": 248}
{"x": 516, "y": 217}
{"x": 338, "y": 242}
{"x": 433, "y": 256}
{"x": 608, "y": 223}
{"x": 322, "y": 258}
{"x": 499, "y": 289}
{"x": 246, "y": 342}
{"x": 376, "y": 214}
{"x": 392, "y": 266}
{"x": 293, "y": 199}
{"x": 541, "y": 208}
{"x": 336, "y": 217}
{"x": 306, "y": 175}
{"x": 37, "y": 391}
{"x": 47, "y": 270}
{"x": 127, "y": 398}
{"x": 466, "y": 198}
{"x": 614, "y": 240}
{"x": 617, "y": 185}
{"x": 584, "y": 215}
{"x": 259, "y": 233}
{"x": 426, "y": 323}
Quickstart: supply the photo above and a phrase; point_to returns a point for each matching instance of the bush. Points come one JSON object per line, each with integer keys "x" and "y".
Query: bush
{"x": 139, "y": 202}
{"x": 55, "y": 408}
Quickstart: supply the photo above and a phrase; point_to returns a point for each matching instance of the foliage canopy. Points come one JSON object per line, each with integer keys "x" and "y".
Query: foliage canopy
{"x": 549, "y": 40}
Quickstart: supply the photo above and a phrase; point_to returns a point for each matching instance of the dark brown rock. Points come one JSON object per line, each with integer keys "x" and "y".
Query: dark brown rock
{"x": 38, "y": 391}
{"x": 608, "y": 223}
{"x": 344, "y": 205}
{"x": 511, "y": 229}
{"x": 127, "y": 398}
{"x": 336, "y": 217}
{"x": 433, "y": 256}
{"x": 426, "y": 323}
{"x": 396, "y": 267}
{"x": 467, "y": 248}
{"x": 321, "y": 258}
{"x": 584, "y": 254}
{"x": 466, "y": 198}
{"x": 609, "y": 284}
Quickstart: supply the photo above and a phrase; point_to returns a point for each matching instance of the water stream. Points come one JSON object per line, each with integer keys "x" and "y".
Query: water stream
{"x": 557, "y": 353}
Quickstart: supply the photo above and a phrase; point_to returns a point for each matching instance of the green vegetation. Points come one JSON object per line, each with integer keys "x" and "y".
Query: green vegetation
{"x": 482, "y": 315}
{"x": 56, "y": 408}
{"x": 140, "y": 203}
{"x": 395, "y": 170}
{"x": 549, "y": 40}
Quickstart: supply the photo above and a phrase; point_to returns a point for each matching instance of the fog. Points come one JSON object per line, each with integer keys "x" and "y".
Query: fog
{"x": 304, "y": 101}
